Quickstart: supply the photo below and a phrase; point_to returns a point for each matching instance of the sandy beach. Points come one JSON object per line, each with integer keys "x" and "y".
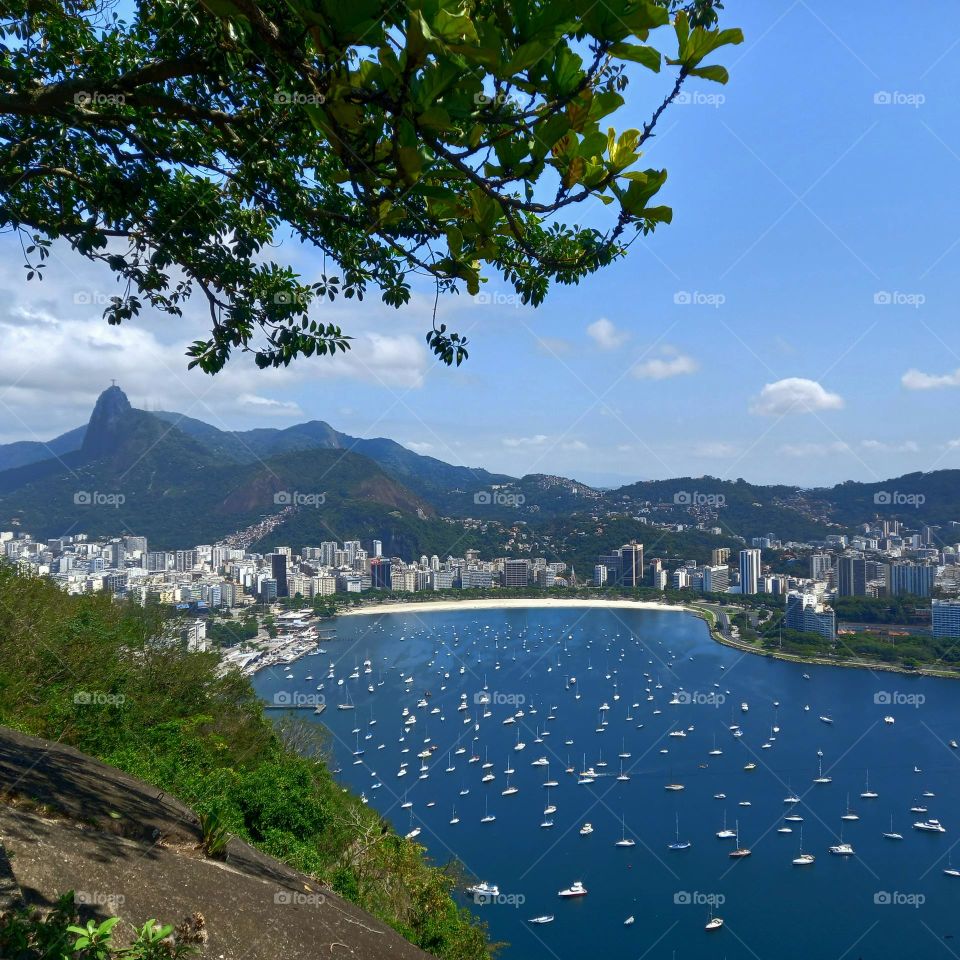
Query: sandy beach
{"x": 437, "y": 606}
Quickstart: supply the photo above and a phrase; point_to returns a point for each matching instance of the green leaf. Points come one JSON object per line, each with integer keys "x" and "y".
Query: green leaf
{"x": 716, "y": 73}
{"x": 638, "y": 53}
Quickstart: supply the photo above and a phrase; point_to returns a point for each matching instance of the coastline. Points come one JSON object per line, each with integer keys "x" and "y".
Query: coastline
{"x": 702, "y": 613}
{"x": 491, "y": 603}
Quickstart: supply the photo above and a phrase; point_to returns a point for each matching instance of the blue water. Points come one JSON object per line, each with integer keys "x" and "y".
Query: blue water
{"x": 890, "y": 900}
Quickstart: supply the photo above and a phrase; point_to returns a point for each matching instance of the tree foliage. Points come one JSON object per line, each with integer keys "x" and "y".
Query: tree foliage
{"x": 443, "y": 138}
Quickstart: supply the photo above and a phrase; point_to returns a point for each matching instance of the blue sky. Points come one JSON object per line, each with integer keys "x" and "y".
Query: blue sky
{"x": 796, "y": 322}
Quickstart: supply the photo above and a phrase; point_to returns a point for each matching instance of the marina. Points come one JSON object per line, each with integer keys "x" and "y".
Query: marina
{"x": 585, "y": 810}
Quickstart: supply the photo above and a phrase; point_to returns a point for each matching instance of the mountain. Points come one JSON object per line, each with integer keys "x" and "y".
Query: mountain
{"x": 24, "y": 452}
{"x": 428, "y": 474}
{"x": 137, "y": 473}
{"x": 178, "y": 480}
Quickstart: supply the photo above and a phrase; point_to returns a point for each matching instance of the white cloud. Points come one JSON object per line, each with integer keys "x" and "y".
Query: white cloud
{"x": 918, "y": 380}
{"x": 418, "y": 446}
{"x": 535, "y": 441}
{"x": 881, "y": 446}
{"x": 606, "y": 335}
{"x": 794, "y": 395}
{"x": 553, "y": 346}
{"x": 269, "y": 406}
{"x": 814, "y": 449}
{"x": 575, "y": 445}
{"x": 672, "y": 363}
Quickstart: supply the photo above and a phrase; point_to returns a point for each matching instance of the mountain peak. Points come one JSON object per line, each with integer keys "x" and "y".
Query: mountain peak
{"x": 105, "y": 426}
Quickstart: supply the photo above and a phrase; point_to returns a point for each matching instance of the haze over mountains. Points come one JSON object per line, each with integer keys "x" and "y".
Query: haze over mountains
{"x": 180, "y": 481}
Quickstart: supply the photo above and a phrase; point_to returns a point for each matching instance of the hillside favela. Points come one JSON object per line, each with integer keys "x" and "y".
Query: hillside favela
{"x": 478, "y": 480}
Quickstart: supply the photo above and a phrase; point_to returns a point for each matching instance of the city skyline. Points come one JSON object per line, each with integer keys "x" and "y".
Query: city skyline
{"x": 780, "y": 330}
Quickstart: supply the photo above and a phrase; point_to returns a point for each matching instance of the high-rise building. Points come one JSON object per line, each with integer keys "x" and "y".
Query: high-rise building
{"x": 716, "y": 578}
{"x": 804, "y": 613}
{"x": 910, "y": 578}
{"x": 749, "y": 570}
{"x": 380, "y": 574}
{"x": 599, "y": 575}
{"x": 515, "y": 573}
{"x": 851, "y": 577}
{"x": 631, "y": 564}
{"x": 378, "y": 548}
{"x": 278, "y": 567}
{"x": 820, "y": 564}
{"x": 612, "y": 562}
{"x": 945, "y": 618}
{"x": 719, "y": 556}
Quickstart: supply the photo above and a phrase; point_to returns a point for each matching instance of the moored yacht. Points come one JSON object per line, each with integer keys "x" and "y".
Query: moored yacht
{"x": 576, "y": 889}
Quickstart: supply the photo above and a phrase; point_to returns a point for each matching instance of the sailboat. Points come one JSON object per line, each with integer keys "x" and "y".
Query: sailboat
{"x": 509, "y": 791}
{"x": 679, "y": 844}
{"x": 803, "y": 859}
{"x": 950, "y": 870}
{"x": 820, "y": 778}
{"x": 849, "y": 815}
{"x": 347, "y": 703}
{"x": 869, "y": 794}
{"x": 716, "y": 751}
{"x": 892, "y": 835}
{"x": 726, "y": 833}
{"x": 739, "y": 851}
{"x": 487, "y": 817}
{"x": 454, "y": 819}
{"x": 624, "y": 840}
{"x": 622, "y": 777}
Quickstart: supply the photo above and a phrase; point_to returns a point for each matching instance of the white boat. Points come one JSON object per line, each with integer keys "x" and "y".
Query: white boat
{"x": 842, "y": 849}
{"x": 586, "y": 829}
{"x": 546, "y": 918}
{"x": 849, "y": 815}
{"x": 892, "y": 835}
{"x": 624, "y": 840}
{"x": 629, "y": 921}
{"x": 820, "y": 778}
{"x": 803, "y": 859}
{"x": 825, "y": 718}
{"x": 679, "y": 844}
{"x": 889, "y": 720}
{"x": 739, "y": 852}
{"x": 930, "y": 826}
{"x": 484, "y": 889}
{"x": 714, "y": 923}
{"x": 869, "y": 794}
{"x": 576, "y": 889}
{"x": 726, "y": 833}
